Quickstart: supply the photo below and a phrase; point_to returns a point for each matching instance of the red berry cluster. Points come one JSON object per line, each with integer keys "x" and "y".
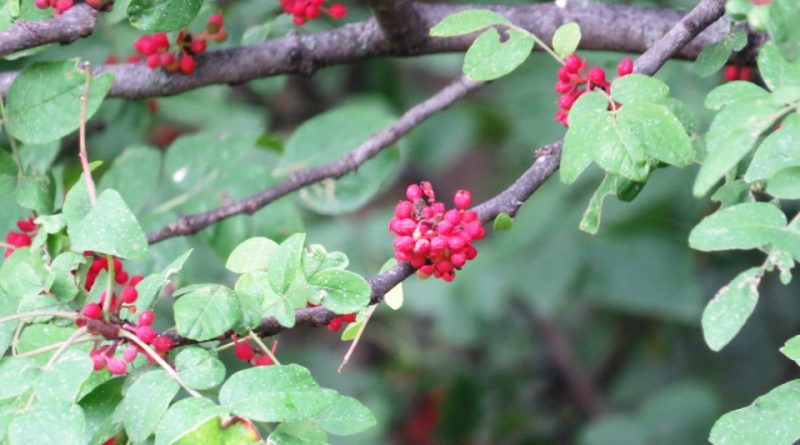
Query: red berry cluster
{"x": 436, "y": 241}
{"x": 246, "y": 352}
{"x": 736, "y": 72}
{"x": 62, "y": 5}
{"x": 119, "y": 351}
{"x": 23, "y": 238}
{"x": 574, "y": 80}
{"x": 305, "y": 10}
{"x": 155, "y": 48}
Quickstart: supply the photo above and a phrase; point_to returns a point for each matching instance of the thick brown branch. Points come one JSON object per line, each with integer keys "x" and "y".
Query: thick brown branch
{"x": 77, "y": 22}
{"x": 545, "y": 164}
{"x": 604, "y": 27}
{"x": 400, "y": 21}
{"x": 336, "y": 169}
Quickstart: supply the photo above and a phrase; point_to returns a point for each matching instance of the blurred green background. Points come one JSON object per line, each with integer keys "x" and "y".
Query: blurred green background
{"x": 550, "y": 336}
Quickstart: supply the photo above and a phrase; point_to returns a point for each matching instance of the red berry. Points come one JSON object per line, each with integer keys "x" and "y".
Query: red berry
{"x": 625, "y": 67}
{"x": 215, "y": 23}
{"x": 129, "y": 354}
{"x": 264, "y": 360}
{"x": 98, "y": 362}
{"x": 731, "y": 73}
{"x": 92, "y": 310}
{"x": 146, "y": 318}
{"x": 348, "y": 318}
{"x": 27, "y": 225}
{"x": 414, "y": 192}
{"x": 162, "y": 343}
{"x": 573, "y": 63}
{"x": 334, "y": 325}
{"x": 117, "y": 367}
{"x": 145, "y": 46}
{"x": 187, "y": 64}
{"x": 160, "y": 40}
{"x": 463, "y": 199}
{"x": 121, "y": 277}
{"x": 597, "y": 75}
{"x": 146, "y": 334}
{"x": 129, "y": 295}
{"x": 566, "y": 102}
{"x": 153, "y": 61}
{"x": 198, "y": 46}
{"x": 136, "y": 279}
{"x": 111, "y": 441}
{"x": 746, "y": 73}
{"x": 42, "y": 4}
{"x": 337, "y": 10}
{"x": 563, "y": 87}
{"x": 243, "y": 350}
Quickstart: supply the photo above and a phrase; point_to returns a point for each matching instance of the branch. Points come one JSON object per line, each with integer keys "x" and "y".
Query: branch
{"x": 604, "y": 27}
{"x": 77, "y": 22}
{"x": 189, "y": 224}
{"x": 508, "y": 201}
{"x": 400, "y": 21}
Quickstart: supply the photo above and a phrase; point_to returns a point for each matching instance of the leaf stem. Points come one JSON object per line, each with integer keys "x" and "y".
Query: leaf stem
{"x": 52, "y": 347}
{"x": 539, "y": 42}
{"x": 82, "y": 154}
{"x": 148, "y": 350}
{"x": 357, "y": 338}
{"x": 264, "y": 347}
{"x": 109, "y": 288}
{"x": 56, "y": 355}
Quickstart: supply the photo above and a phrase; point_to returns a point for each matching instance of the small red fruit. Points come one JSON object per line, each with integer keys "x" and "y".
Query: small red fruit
{"x": 162, "y": 343}
{"x": 146, "y": 318}
{"x": 117, "y": 367}
{"x": 337, "y": 11}
{"x": 129, "y": 295}
{"x": 625, "y": 67}
{"x": 92, "y": 310}
{"x": 146, "y": 334}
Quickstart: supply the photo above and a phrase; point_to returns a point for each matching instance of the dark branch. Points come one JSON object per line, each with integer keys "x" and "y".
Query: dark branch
{"x": 400, "y": 21}
{"x": 508, "y": 201}
{"x": 604, "y": 27}
{"x": 77, "y": 22}
{"x": 336, "y": 169}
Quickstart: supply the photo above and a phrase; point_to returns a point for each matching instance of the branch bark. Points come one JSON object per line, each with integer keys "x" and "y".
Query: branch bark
{"x": 336, "y": 169}
{"x": 77, "y": 22}
{"x": 622, "y": 28}
{"x": 545, "y": 164}
{"x": 400, "y": 21}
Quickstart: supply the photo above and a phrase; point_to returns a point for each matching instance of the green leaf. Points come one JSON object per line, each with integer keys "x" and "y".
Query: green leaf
{"x": 8, "y": 173}
{"x": 346, "y": 416}
{"x": 503, "y": 222}
{"x": 184, "y": 417}
{"x": 99, "y": 406}
{"x": 194, "y": 171}
{"x": 207, "y": 311}
{"x": 342, "y": 291}
{"x": 590, "y": 222}
{"x": 44, "y": 100}
{"x": 198, "y": 369}
{"x": 791, "y": 349}
{"x": 134, "y": 174}
{"x": 586, "y": 116}
{"x": 743, "y": 226}
{"x": 782, "y": 27}
{"x": 36, "y": 193}
{"x": 317, "y": 258}
{"x": 394, "y": 298}
{"x": 65, "y": 286}
{"x": 251, "y": 255}
{"x": 660, "y": 133}
{"x": 52, "y": 423}
{"x": 109, "y": 228}
{"x": 776, "y": 71}
{"x": 298, "y": 433}
{"x": 785, "y": 184}
{"x": 64, "y": 378}
{"x": 23, "y": 274}
{"x": 490, "y": 57}
{"x": 727, "y": 312}
{"x": 465, "y": 22}
{"x": 737, "y": 91}
{"x": 732, "y": 135}
{"x": 778, "y": 151}
{"x": 162, "y": 15}
{"x": 771, "y": 419}
{"x": 150, "y": 288}
{"x": 638, "y": 88}
{"x": 76, "y": 203}
{"x": 566, "y": 39}
{"x": 251, "y": 292}
{"x": 145, "y": 403}
{"x": 19, "y": 375}
{"x": 714, "y": 57}
{"x": 285, "y": 263}
{"x": 327, "y": 137}
{"x": 275, "y": 393}
{"x": 240, "y": 432}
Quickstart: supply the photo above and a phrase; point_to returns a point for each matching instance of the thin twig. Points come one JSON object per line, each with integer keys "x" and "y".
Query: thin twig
{"x": 49, "y": 348}
{"x": 154, "y": 355}
{"x": 34, "y": 314}
{"x": 87, "y": 171}
{"x": 370, "y": 148}
{"x": 264, "y": 348}
{"x": 56, "y": 355}
{"x": 357, "y": 338}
